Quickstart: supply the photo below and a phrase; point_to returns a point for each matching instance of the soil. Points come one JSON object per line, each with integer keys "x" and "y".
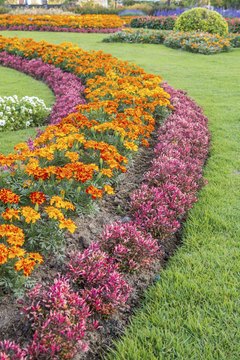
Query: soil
{"x": 89, "y": 228}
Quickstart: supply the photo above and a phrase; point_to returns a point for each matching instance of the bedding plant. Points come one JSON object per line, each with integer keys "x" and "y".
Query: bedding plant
{"x": 63, "y": 313}
{"x": 74, "y": 162}
{"x": 22, "y": 113}
{"x": 67, "y": 23}
{"x": 203, "y": 43}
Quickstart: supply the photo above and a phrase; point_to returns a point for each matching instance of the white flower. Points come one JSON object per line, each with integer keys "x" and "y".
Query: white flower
{"x": 2, "y": 122}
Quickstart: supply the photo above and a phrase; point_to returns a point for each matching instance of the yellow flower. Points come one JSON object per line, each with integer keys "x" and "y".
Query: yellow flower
{"x": 130, "y": 146}
{"x": 68, "y": 224}
{"x": 31, "y": 215}
{"x": 109, "y": 190}
{"x": 54, "y": 213}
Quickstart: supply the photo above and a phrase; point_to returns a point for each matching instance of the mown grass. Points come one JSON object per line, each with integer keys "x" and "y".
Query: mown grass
{"x": 15, "y": 83}
{"x": 193, "y": 311}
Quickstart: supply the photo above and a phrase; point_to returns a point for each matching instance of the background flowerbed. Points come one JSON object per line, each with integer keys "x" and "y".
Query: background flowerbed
{"x": 69, "y": 23}
{"x": 203, "y": 43}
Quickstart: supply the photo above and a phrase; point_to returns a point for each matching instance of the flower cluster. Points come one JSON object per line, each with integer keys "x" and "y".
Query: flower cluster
{"x": 170, "y": 187}
{"x": 233, "y": 25}
{"x": 203, "y": 43}
{"x": 69, "y": 23}
{"x": 11, "y": 350}
{"x": 22, "y": 113}
{"x": 98, "y": 280}
{"x": 130, "y": 248}
{"x": 59, "y": 319}
{"x": 76, "y": 158}
{"x": 67, "y": 88}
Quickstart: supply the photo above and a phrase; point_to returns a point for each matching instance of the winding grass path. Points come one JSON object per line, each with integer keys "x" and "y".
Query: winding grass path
{"x": 193, "y": 312}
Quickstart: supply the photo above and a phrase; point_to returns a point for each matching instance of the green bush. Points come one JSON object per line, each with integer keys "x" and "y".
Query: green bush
{"x": 200, "y": 19}
{"x": 4, "y": 10}
{"x": 140, "y": 36}
{"x": 154, "y": 22}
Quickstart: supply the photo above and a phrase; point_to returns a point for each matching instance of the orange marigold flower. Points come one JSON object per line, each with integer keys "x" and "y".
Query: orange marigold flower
{"x": 15, "y": 251}
{"x": 145, "y": 143}
{"x": 37, "y": 197}
{"x": 68, "y": 224}
{"x": 3, "y": 254}
{"x": 7, "y": 196}
{"x": 14, "y": 234}
{"x": 27, "y": 264}
{"x": 107, "y": 172}
{"x": 61, "y": 204}
{"x": 31, "y": 215}
{"x": 94, "y": 192}
{"x": 73, "y": 156}
{"x": 130, "y": 146}
{"x": 54, "y": 213}
{"x": 109, "y": 190}
{"x": 10, "y": 214}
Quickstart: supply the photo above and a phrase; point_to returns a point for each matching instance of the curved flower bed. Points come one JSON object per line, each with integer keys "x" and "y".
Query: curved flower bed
{"x": 95, "y": 286}
{"x": 74, "y": 162}
{"x": 62, "y": 23}
{"x": 67, "y": 88}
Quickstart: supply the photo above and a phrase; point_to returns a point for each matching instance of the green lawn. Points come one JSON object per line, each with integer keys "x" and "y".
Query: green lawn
{"x": 193, "y": 312}
{"x": 15, "y": 83}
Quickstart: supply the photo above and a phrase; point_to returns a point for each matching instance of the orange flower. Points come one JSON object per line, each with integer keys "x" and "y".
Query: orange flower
{"x": 31, "y": 215}
{"x": 37, "y": 197}
{"x": 3, "y": 254}
{"x": 15, "y": 251}
{"x": 14, "y": 234}
{"x": 7, "y": 196}
{"x": 27, "y": 264}
{"x": 95, "y": 192}
{"x": 107, "y": 172}
{"x": 68, "y": 224}
{"x": 10, "y": 214}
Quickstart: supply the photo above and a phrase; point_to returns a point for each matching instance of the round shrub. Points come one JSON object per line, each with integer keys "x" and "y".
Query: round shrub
{"x": 200, "y": 19}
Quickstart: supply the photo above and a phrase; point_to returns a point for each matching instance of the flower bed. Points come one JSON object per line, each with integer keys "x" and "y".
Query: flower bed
{"x": 168, "y": 22}
{"x": 95, "y": 286}
{"x": 67, "y": 23}
{"x": 74, "y": 162}
{"x": 202, "y": 43}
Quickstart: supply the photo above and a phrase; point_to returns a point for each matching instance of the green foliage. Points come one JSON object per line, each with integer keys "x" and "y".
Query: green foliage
{"x": 3, "y": 9}
{"x": 200, "y": 19}
{"x": 203, "y": 43}
{"x": 22, "y": 113}
{"x": 141, "y": 36}
{"x": 157, "y": 23}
